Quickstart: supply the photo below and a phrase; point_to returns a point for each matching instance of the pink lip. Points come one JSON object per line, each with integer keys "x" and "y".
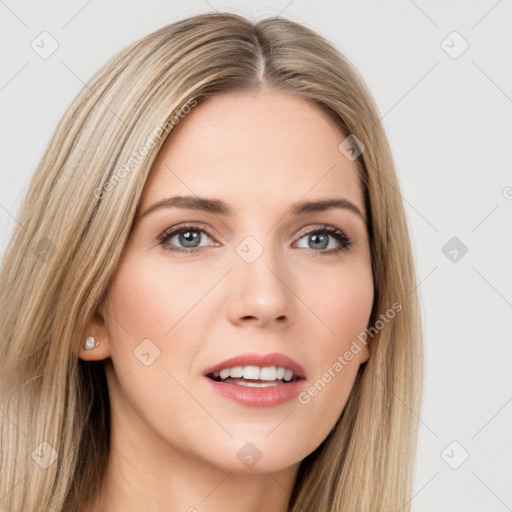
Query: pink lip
{"x": 253, "y": 396}
{"x": 257, "y": 397}
{"x": 251, "y": 358}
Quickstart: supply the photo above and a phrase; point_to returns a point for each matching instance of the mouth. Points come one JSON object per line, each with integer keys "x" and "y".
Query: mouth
{"x": 257, "y": 370}
{"x": 254, "y": 376}
{"x": 257, "y": 380}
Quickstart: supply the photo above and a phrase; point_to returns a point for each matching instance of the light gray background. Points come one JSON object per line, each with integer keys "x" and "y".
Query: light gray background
{"x": 449, "y": 121}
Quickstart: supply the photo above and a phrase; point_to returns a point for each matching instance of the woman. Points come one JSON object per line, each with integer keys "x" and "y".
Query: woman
{"x": 210, "y": 300}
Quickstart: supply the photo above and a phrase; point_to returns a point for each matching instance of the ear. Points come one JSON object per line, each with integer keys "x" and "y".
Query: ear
{"x": 364, "y": 354}
{"x": 97, "y": 328}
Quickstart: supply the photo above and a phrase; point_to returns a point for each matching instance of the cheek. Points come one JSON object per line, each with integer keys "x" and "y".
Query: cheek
{"x": 349, "y": 306}
{"x": 153, "y": 344}
{"x": 157, "y": 308}
{"x": 149, "y": 299}
{"x": 147, "y": 314}
{"x": 342, "y": 303}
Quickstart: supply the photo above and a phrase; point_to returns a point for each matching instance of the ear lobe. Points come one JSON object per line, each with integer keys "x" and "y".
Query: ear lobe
{"x": 96, "y": 328}
{"x": 364, "y": 354}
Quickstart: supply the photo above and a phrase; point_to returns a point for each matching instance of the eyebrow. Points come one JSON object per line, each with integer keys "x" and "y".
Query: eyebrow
{"x": 219, "y": 207}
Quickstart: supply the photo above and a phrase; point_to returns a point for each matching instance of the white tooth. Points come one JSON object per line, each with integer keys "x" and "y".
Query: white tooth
{"x": 288, "y": 374}
{"x": 268, "y": 373}
{"x": 224, "y": 373}
{"x": 251, "y": 372}
{"x": 237, "y": 372}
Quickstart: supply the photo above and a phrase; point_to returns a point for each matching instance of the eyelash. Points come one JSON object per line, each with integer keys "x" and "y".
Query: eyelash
{"x": 340, "y": 236}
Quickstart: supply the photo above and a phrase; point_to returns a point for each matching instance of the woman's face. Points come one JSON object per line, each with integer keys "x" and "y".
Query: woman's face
{"x": 251, "y": 264}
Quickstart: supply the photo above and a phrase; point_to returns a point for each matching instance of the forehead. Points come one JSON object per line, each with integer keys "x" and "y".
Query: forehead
{"x": 254, "y": 148}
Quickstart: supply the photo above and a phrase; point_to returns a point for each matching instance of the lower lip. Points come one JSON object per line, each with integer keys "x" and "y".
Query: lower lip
{"x": 258, "y": 397}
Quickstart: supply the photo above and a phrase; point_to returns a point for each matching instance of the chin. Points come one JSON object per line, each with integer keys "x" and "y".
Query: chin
{"x": 257, "y": 454}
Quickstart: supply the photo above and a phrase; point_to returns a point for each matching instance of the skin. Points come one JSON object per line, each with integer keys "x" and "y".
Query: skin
{"x": 174, "y": 440}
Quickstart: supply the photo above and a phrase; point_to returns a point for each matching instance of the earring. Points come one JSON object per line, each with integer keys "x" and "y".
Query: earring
{"x": 90, "y": 343}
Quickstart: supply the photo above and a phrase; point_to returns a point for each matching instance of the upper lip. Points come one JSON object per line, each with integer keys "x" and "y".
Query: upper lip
{"x": 261, "y": 360}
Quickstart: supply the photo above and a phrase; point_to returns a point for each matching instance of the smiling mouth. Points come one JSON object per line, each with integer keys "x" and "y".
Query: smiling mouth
{"x": 254, "y": 376}
{"x": 255, "y": 386}
{"x": 252, "y": 370}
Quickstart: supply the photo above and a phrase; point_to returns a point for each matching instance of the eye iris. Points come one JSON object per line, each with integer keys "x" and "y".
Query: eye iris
{"x": 318, "y": 238}
{"x": 189, "y": 238}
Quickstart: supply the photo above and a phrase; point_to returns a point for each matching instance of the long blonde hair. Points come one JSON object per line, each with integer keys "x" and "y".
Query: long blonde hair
{"x": 76, "y": 219}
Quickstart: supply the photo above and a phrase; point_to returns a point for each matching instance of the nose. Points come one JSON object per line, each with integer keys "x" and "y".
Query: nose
{"x": 260, "y": 293}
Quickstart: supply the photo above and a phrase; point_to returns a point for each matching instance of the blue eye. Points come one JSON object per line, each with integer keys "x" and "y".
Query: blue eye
{"x": 326, "y": 239}
{"x": 185, "y": 239}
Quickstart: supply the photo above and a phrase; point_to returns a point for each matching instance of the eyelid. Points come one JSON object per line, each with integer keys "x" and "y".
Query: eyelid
{"x": 312, "y": 228}
{"x": 184, "y": 225}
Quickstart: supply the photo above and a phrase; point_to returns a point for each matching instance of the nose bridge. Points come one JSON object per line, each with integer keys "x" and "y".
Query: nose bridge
{"x": 259, "y": 283}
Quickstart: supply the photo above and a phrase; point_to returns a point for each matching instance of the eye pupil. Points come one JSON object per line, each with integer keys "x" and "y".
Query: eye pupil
{"x": 189, "y": 238}
{"x": 318, "y": 238}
